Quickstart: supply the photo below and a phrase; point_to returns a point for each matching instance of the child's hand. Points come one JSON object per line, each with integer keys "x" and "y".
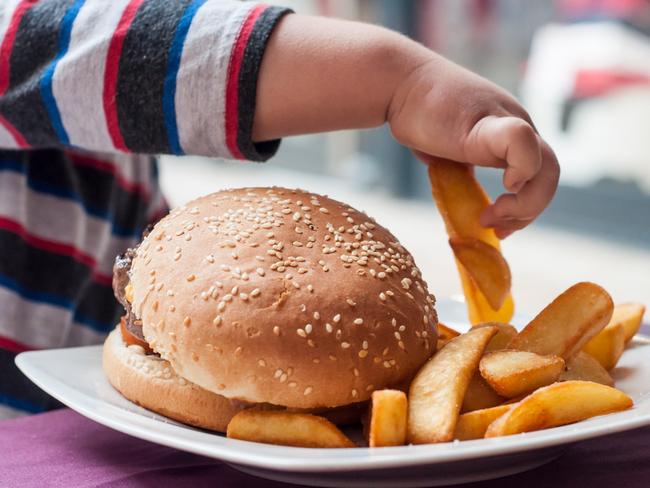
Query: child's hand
{"x": 442, "y": 110}
{"x": 322, "y": 74}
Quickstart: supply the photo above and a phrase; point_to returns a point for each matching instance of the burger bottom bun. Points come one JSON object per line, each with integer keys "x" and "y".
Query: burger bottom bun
{"x": 152, "y": 383}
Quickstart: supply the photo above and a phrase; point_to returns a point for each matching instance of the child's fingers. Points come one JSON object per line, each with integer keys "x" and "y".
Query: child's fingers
{"x": 513, "y": 211}
{"x": 506, "y": 139}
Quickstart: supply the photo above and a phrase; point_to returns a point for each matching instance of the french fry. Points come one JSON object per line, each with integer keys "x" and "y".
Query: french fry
{"x": 480, "y": 395}
{"x": 460, "y": 200}
{"x": 502, "y": 338}
{"x": 630, "y": 316}
{"x": 607, "y": 346}
{"x": 472, "y": 425}
{"x": 437, "y": 391}
{"x": 286, "y": 429}
{"x": 559, "y": 404}
{"x": 445, "y": 332}
{"x": 584, "y": 367}
{"x": 487, "y": 267}
{"x": 567, "y": 323}
{"x": 388, "y": 414}
{"x": 512, "y": 373}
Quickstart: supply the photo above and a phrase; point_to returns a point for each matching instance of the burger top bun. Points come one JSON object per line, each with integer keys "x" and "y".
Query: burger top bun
{"x": 282, "y": 296}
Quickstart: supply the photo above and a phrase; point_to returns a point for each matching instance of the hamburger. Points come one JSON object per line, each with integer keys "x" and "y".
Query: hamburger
{"x": 267, "y": 297}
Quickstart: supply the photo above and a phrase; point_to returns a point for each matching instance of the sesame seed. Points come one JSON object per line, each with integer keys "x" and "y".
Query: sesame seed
{"x": 332, "y": 358}
{"x": 382, "y": 296}
{"x": 210, "y": 258}
{"x": 283, "y": 377}
{"x": 390, "y": 293}
{"x": 221, "y": 306}
{"x": 227, "y": 297}
{"x": 261, "y": 362}
{"x": 358, "y": 321}
{"x": 401, "y": 345}
{"x": 355, "y": 371}
{"x": 351, "y": 302}
{"x": 308, "y": 328}
{"x": 243, "y": 296}
{"x": 276, "y": 330}
{"x": 260, "y": 271}
{"x": 172, "y": 308}
{"x": 328, "y": 328}
{"x": 292, "y": 384}
{"x": 311, "y": 343}
{"x": 397, "y": 336}
{"x": 316, "y": 315}
{"x": 255, "y": 292}
{"x": 363, "y": 353}
{"x": 402, "y": 328}
{"x": 235, "y": 290}
{"x": 278, "y": 373}
{"x": 187, "y": 321}
{"x": 310, "y": 288}
{"x": 217, "y": 320}
{"x": 308, "y": 391}
{"x": 337, "y": 318}
{"x": 365, "y": 344}
{"x": 345, "y": 345}
{"x": 323, "y": 210}
{"x": 387, "y": 364}
{"x": 381, "y": 275}
{"x": 301, "y": 332}
{"x": 191, "y": 277}
{"x": 425, "y": 319}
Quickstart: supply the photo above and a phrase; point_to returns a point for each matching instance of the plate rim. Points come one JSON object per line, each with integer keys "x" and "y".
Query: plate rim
{"x": 310, "y": 460}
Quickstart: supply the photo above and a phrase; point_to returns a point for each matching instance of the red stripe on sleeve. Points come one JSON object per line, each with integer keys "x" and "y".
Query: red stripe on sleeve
{"x": 13, "y": 346}
{"x": 8, "y": 42}
{"x": 232, "y": 84}
{"x": 18, "y": 137}
{"x": 111, "y": 73}
{"x": 6, "y": 48}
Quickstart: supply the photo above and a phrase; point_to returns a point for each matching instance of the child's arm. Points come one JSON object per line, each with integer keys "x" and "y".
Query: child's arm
{"x": 141, "y": 76}
{"x": 322, "y": 74}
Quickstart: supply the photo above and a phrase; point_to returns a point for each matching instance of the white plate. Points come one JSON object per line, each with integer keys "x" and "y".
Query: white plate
{"x": 75, "y": 377}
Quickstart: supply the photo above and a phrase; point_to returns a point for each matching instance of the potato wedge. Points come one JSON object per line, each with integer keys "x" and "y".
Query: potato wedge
{"x": 502, "y": 338}
{"x": 487, "y": 267}
{"x": 388, "y": 414}
{"x": 437, "y": 391}
{"x": 445, "y": 332}
{"x": 512, "y": 373}
{"x": 584, "y": 367}
{"x": 286, "y": 429}
{"x": 472, "y": 425}
{"x": 607, "y": 346}
{"x": 630, "y": 316}
{"x": 480, "y": 395}
{"x": 460, "y": 200}
{"x": 559, "y": 404}
{"x": 567, "y": 323}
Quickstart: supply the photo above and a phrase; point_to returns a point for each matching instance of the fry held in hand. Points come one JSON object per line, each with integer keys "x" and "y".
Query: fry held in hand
{"x": 388, "y": 414}
{"x": 460, "y": 200}
{"x": 472, "y": 425}
{"x": 487, "y": 267}
{"x": 567, "y": 323}
{"x": 513, "y": 373}
{"x": 286, "y": 429}
{"x": 607, "y": 346}
{"x": 584, "y": 367}
{"x": 437, "y": 391}
{"x": 559, "y": 404}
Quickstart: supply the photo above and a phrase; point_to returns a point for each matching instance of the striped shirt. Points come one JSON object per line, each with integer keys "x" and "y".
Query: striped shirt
{"x": 89, "y": 89}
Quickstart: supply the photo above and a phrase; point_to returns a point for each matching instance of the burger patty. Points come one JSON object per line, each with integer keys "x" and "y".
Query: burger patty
{"x": 121, "y": 278}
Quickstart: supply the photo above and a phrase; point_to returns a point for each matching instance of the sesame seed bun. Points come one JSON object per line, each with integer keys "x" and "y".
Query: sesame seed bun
{"x": 152, "y": 383}
{"x": 271, "y": 295}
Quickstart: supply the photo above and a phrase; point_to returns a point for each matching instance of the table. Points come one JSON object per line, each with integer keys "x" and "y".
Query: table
{"x": 64, "y": 449}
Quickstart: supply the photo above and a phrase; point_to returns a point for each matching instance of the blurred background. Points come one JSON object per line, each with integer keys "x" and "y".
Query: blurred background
{"x": 581, "y": 68}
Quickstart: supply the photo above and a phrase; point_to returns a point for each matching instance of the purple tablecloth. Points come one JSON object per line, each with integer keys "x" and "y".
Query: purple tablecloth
{"x": 64, "y": 449}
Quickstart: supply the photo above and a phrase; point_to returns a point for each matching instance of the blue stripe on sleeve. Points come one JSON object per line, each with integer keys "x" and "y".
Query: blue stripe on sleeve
{"x": 47, "y": 92}
{"x": 173, "y": 65}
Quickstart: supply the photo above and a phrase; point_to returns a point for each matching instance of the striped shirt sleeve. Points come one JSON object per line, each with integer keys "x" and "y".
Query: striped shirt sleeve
{"x": 134, "y": 76}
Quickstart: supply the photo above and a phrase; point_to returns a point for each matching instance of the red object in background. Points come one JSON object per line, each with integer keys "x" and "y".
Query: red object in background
{"x": 595, "y": 83}
{"x": 612, "y": 8}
